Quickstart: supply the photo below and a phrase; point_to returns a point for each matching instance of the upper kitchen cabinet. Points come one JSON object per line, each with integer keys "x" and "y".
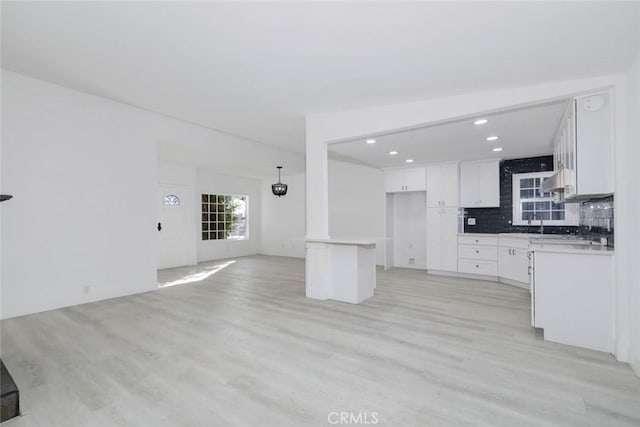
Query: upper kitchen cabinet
{"x": 480, "y": 184}
{"x": 443, "y": 186}
{"x": 588, "y": 148}
{"x": 582, "y": 150}
{"x": 408, "y": 179}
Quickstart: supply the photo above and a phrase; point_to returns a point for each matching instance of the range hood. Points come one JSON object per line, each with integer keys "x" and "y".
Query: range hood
{"x": 555, "y": 183}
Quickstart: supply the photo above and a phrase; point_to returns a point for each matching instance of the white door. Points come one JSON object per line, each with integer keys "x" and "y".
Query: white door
{"x": 172, "y": 225}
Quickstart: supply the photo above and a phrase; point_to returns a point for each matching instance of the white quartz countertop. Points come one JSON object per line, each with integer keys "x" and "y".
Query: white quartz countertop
{"x": 557, "y": 243}
{"x": 572, "y": 249}
{"x": 355, "y": 242}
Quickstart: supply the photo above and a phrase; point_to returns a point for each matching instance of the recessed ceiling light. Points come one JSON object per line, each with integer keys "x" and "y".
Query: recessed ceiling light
{"x": 497, "y": 149}
{"x": 371, "y": 141}
{"x": 480, "y": 122}
{"x": 492, "y": 138}
{"x": 393, "y": 153}
{"x": 409, "y": 160}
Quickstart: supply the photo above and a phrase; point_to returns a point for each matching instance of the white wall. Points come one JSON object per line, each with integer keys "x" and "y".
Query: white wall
{"x": 83, "y": 175}
{"x": 209, "y": 182}
{"x": 283, "y": 218}
{"x": 632, "y": 157}
{"x": 410, "y": 229}
{"x": 356, "y": 210}
{"x": 84, "y": 171}
{"x": 202, "y": 181}
{"x": 356, "y": 204}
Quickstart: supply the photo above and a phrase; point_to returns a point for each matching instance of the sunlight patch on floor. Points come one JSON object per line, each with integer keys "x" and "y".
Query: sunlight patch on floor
{"x": 198, "y": 276}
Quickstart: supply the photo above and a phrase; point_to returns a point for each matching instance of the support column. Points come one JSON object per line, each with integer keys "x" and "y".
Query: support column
{"x": 317, "y": 265}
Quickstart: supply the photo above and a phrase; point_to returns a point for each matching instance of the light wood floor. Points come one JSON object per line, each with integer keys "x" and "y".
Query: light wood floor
{"x": 244, "y": 347}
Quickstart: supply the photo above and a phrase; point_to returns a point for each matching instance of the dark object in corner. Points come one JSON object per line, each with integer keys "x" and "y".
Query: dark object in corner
{"x": 9, "y": 395}
{"x": 4, "y": 197}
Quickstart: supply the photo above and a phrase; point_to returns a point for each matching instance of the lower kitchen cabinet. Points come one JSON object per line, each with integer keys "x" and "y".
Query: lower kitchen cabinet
{"x": 478, "y": 254}
{"x": 514, "y": 261}
{"x": 484, "y": 268}
{"x": 571, "y": 298}
{"x": 514, "y": 265}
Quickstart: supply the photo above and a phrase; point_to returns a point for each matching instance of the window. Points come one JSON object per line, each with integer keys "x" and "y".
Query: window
{"x": 171, "y": 200}
{"x": 530, "y": 203}
{"x": 224, "y": 217}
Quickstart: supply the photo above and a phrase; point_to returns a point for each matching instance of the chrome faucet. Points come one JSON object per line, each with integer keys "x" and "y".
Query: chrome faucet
{"x": 541, "y": 222}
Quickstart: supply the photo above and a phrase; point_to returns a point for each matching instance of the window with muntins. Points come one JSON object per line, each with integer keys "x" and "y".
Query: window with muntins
{"x": 531, "y": 205}
{"x": 225, "y": 217}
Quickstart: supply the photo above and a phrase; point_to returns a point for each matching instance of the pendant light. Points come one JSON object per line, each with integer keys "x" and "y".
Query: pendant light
{"x": 279, "y": 189}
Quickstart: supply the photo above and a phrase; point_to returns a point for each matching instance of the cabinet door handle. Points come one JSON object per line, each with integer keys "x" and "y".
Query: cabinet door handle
{"x": 477, "y": 266}
{"x": 529, "y": 270}
{"x": 529, "y": 255}
{"x": 159, "y": 226}
{"x": 477, "y": 251}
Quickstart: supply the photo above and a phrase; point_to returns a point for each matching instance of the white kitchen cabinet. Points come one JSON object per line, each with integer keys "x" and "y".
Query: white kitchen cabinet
{"x": 442, "y": 239}
{"x": 478, "y": 254}
{"x": 514, "y": 260}
{"x": 393, "y": 180}
{"x": 583, "y": 145}
{"x": 513, "y": 264}
{"x": 443, "y": 185}
{"x": 408, "y": 179}
{"x": 480, "y": 184}
{"x": 571, "y": 298}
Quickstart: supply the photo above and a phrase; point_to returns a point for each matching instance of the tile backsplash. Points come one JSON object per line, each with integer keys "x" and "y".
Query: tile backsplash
{"x": 596, "y": 217}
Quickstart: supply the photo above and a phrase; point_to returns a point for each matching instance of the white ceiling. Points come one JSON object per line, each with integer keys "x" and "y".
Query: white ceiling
{"x": 256, "y": 69}
{"x": 526, "y": 132}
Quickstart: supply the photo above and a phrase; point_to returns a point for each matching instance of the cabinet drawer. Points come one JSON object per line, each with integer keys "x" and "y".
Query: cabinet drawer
{"x": 487, "y": 268}
{"x": 478, "y": 240}
{"x": 488, "y": 253}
